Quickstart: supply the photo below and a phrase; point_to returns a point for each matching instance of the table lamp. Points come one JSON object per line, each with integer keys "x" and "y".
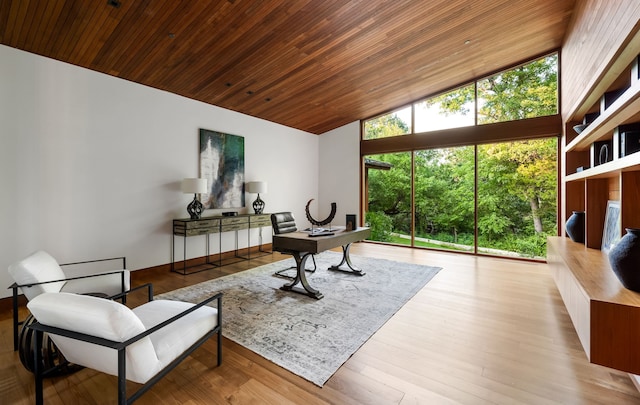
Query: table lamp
{"x": 195, "y": 186}
{"x": 257, "y": 187}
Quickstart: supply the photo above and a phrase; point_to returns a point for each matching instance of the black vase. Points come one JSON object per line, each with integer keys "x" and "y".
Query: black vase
{"x": 575, "y": 226}
{"x": 624, "y": 258}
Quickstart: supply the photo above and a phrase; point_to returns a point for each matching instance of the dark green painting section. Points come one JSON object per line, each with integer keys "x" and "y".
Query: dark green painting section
{"x": 222, "y": 163}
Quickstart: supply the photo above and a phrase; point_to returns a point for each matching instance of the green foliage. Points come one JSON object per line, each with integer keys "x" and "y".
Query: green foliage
{"x": 390, "y": 190}
{"x": 527, "y": 246}
{"x": 527, "y": 91}
{"x": 380, "y": 225}
{"x": 385, "y": 126}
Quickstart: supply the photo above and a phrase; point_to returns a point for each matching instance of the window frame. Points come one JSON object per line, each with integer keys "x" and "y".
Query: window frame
{"x": 506, "y": 131}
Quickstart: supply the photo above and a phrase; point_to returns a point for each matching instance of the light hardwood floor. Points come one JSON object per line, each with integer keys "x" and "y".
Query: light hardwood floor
{"x": 483, "y": 331}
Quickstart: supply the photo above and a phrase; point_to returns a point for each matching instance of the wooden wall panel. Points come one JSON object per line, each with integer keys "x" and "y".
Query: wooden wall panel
{"x": 598, "y": 30}
{"x": 630, "y": 197}
{"x": 596, "y": 207}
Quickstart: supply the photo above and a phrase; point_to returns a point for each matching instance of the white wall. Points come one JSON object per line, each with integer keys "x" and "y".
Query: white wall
{"x": 339, "y": 173}
{"x": 90, "y": 165}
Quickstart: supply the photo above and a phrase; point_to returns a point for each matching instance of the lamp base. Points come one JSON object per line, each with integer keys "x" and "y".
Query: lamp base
{"x": 258, "y": 205}
{"x": 195, "y": 208}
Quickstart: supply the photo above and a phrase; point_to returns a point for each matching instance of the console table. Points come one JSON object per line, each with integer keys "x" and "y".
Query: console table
{"x": 186, "y": 227}
{"x": 300, "y": 245}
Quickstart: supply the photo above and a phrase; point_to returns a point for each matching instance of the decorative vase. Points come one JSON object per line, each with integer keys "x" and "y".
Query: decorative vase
{"x": 575, "y": 226}
{"x": 624, "y": 258}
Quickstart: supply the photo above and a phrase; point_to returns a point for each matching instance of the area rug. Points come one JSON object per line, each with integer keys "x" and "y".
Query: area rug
{"x": 311, "y": 338}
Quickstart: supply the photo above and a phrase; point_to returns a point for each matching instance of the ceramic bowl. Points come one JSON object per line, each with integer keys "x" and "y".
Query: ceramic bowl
{"x": 579, "y": 128}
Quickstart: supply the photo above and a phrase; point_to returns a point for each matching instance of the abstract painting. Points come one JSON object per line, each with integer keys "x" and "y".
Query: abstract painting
{"x": 222, "y": 164}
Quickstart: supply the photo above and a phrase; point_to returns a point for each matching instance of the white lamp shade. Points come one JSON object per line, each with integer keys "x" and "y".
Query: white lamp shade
{"x": 257, "y": 187}
{"x": 194, "y": 186}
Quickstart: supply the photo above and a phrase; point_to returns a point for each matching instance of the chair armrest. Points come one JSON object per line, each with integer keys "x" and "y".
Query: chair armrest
{"x": 37, "y": 326}
{"x": 124, "y": 261}
{"x": 161, "y": 325}
{"x": 123, "y": 294}
{"x": 15, "y": 285}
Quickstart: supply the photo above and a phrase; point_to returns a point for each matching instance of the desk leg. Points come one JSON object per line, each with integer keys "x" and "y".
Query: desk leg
{"x": 346, "y": 259}
{"x": 302, "y": 278}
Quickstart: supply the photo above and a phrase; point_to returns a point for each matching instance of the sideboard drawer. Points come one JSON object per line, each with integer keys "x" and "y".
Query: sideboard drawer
{"x": 234, "y": 223}
{"x": 234, "y": 220}
{"x": 198, "y": 231}
{"x": 204, "y": 223}
{"x": 260, "y": 220}
{"x": 195, "y": 227}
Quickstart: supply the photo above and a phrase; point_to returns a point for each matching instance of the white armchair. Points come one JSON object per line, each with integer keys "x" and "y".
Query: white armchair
{"x": 40, "y": 273}
{"x": 141, "y": 344}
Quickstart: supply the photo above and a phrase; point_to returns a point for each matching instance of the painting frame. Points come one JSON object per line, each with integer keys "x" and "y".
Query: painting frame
{"x": 221, "y": 162}
{"x": 612, "y": 229}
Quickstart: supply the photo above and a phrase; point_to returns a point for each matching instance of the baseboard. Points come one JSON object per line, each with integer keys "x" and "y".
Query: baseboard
{"x": 6, "y": 304}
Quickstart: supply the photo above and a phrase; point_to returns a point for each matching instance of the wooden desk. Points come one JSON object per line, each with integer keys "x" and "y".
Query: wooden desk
{"x": 300, "y": 245}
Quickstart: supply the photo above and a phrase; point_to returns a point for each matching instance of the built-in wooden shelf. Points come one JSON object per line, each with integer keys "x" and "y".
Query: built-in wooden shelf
{"x": 629, "y": 163}
{"x": 625, "y": 109}
{"x": 606, "y": 315}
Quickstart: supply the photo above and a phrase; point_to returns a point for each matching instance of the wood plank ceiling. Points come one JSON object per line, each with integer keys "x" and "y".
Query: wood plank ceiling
{"x": 314, "y": 65}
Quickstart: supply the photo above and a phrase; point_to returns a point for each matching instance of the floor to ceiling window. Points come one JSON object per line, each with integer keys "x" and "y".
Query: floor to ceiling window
{"x": 488, "y": 189}
{"x": 444, "y": 198}
{"x": 389, "y": 197}
{"x": 517, "y": 194}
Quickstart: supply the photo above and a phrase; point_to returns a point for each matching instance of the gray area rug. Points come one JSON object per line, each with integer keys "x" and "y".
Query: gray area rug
{"x": 311, "y": 338}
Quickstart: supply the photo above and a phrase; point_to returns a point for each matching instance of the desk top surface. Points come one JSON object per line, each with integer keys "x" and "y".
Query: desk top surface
{"x": 302, "y": 242}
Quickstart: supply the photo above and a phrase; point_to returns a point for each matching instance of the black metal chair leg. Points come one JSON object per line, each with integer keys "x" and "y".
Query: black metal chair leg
{"x": 122, "y": 380}
{"x": 16, "y": 323}
{"x": 37, "y": 357}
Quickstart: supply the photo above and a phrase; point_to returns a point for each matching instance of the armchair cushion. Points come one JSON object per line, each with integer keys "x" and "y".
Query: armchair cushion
{"x": 170, "y": 342}
{"x": 114, "y": 321}
{"x": 96, "y": 317}
{"x": 37, "y": 268}
{"x": 41, "y": 267}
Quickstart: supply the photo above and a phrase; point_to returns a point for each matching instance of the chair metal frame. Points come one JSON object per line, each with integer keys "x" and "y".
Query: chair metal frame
{"x": 121, "y": 348}
{"x": 15, "y": 287}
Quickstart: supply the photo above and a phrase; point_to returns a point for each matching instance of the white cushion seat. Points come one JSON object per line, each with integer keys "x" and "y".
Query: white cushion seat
{"x": 114, "y": 321}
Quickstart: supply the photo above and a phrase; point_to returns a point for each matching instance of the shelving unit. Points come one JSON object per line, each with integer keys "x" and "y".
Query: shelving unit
{"x": 590, "y": 189}
{"x": 606, "y": 315}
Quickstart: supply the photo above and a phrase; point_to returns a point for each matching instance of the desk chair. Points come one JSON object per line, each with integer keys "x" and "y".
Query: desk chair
{"x": 284, "y": 222}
